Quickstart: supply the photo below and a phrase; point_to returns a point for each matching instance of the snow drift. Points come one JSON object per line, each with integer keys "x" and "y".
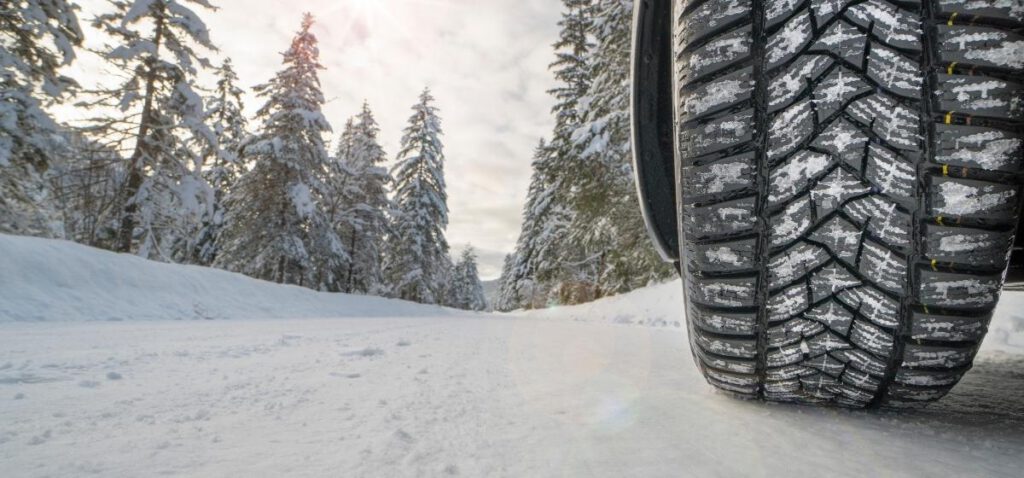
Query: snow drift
{"x": 45, "y": 279}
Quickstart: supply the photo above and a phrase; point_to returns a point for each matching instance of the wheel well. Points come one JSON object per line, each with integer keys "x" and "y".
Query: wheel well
{"x": 653, "y": 124}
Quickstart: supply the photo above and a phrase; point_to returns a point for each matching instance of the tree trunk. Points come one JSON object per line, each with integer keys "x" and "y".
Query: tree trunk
{"x": 351, "y": 261}
{"x": 135, "y": 173}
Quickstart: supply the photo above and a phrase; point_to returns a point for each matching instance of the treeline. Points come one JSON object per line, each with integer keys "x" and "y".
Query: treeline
{"x": 583, "y": 235}
{"x": 170, "y": 169}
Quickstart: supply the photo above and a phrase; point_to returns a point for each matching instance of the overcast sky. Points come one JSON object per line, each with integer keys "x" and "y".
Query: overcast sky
{"x": 485, "y": 60}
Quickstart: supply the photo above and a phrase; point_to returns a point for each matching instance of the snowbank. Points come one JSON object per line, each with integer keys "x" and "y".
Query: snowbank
{"x": 43, "y": 279}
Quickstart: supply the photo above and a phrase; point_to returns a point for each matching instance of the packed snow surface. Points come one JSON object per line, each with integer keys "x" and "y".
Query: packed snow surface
{"x": 114, "y": 366}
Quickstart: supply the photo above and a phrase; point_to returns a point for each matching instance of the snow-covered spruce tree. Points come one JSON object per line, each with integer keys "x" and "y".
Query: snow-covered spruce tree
{"x": 535, "y": 254}
{"x": 361, "y": 204}
{"x": 506, "y": 299}
{"x": 606, "y": 224}
{"x": 275, "y": 227}
{"x": 467, "y": 290}
{"x": 37, "y": 38}
{"x": 157, "y": 48}
{"x": 418, "y": 247}
{"x": 222, "y": 164}
{"x": 546, "y": 266}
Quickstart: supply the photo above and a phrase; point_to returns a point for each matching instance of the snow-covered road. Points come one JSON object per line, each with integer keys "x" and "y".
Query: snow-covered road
{"x": 606, "y": 389}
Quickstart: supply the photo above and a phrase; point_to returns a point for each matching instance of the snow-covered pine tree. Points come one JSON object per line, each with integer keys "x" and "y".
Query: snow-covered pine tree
{"x": 467, "y": 290}
{"x": 275, "y": 227}
{"x": 222, "y": 164}
{"x": 363, "y": 224}
{"x": 546, "y": 261}
{"x": 37, "y": 38}
{"x": 157, "y": 48}
{"x": 535, "y": 249}
{"x": 340, "y": 194}
{"x": 506, "y": 299}
{"x": 606, "y": 224}
{"x": 418, "y": 247}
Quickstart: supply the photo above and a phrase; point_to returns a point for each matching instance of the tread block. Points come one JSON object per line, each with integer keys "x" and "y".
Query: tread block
{"x": 939, "y": 327}
{"x": 895, "y": 123}
{"x": 795, "y": 175}
{"x": 844, "y": 40}
{"x": 981, "y": 95}
{"x": 786, "y": 87}
{"x": 787, "y": 43}
{"x": 839, "y": 87}
{"x": 927, "y": 378}
{"x": 944, "y": 289}
{"x": 932, "y": 356}
{"x": 977, "y": 247}
{"x": 723, "y": 256}
{"x": 979, "y": 147}
{"x": 731, "y": 174}
{"x": 728, "y": 217}
{"x": 826, "y": 365}
{"x": 861, "y": 360}
{"x": 971, "y": 45}
{"x": 835, "y": 189}
{"x": 871, "y": 338}
{"x": 897, "y": 73}
{"x": 721, "y": 322}
{"x": 1013, "y": 9}
{"x": 844, "y": 140}
{"x": 712, "y": 17}
{"x": 841, "y": 237}
{"x": 855, "y": 396}
{"x": 792, "y": 222}
{"x": 795, "y": 263}
{"x": 734, "y": 292}
{"x": 735, "y": 383}
{"x": 728, "y": 347}
{"x": 717, "y": 55}
{"x": 861, "y": 380}
{"x": 883, "y": 219}
{"x": 789, "y": 128}
{"x": 727, "y": 364}
{"x": 830, "y": 281}
{"x": 788, "y": 372}
{"x": 782, "y": 356}
{"x": 826, "y": 10}
{"x": 833, "y": 316}
{"x": 783, "y": 387}
{"x": 718, "y": 95}
{"x": 788, "y": 303}
{"x": 775, "y": 11}
{"x": 717, "y": 135}
{"x": 885, "y": 268}
{"x": 893, "y": 25}
{"x": 891, "y": 174}
{"x": 824, "y": 343}
{"x": 966, "y": 198}
{"x": 793, "y": 331}
{"x": 877, "y": 307}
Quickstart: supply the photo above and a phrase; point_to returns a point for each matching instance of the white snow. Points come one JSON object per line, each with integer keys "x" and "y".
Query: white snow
{"x": 289, "y": 382}
{"x": 962, "y": 199}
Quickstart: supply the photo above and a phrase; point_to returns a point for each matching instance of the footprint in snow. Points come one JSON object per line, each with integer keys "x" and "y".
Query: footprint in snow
{"x": 367, "y": 352}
